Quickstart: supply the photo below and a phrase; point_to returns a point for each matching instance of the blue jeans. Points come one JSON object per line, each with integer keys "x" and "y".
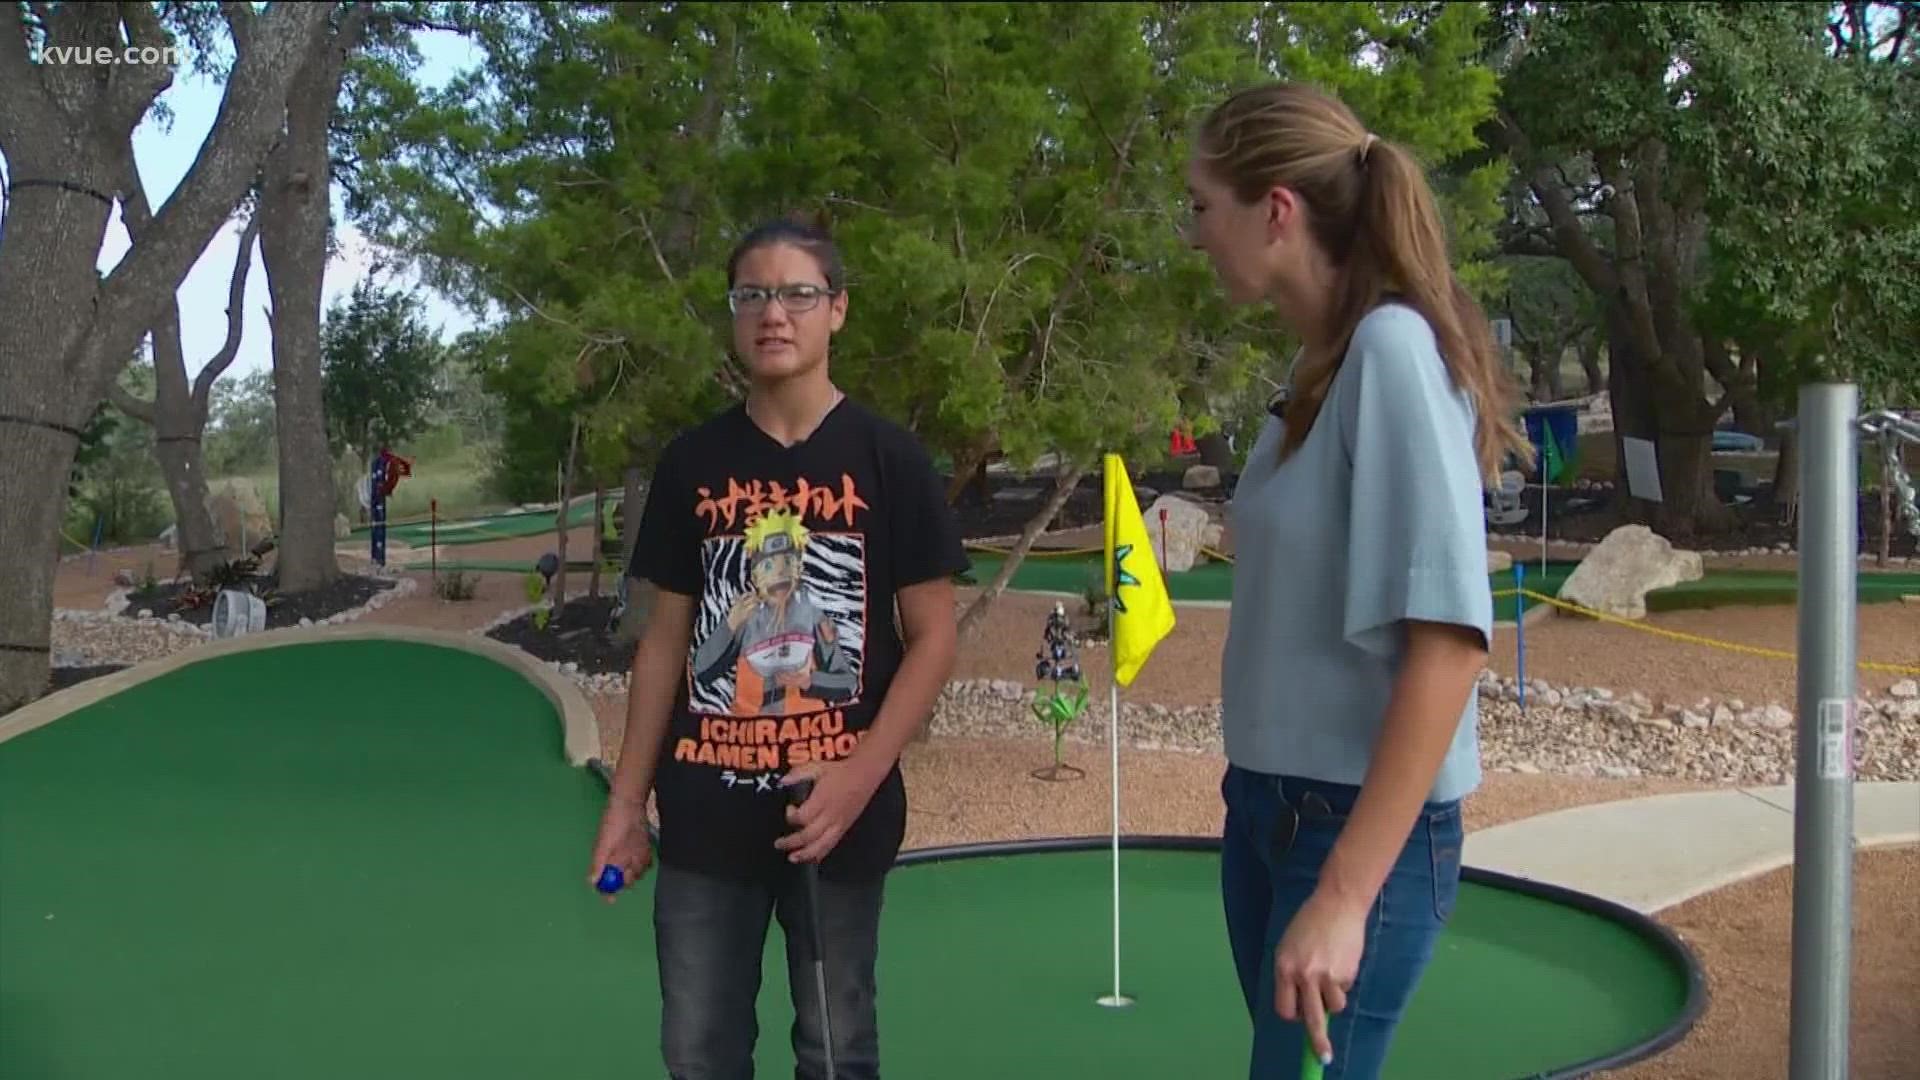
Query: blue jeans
{"x": 710, "y": 936}
{"x": 1279, "y": 831}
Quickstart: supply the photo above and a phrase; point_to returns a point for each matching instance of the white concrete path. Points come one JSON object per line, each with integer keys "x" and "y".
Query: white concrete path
{"x": 1652, "y": 853}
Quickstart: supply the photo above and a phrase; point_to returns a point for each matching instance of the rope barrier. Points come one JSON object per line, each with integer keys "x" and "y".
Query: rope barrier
{"x": 1692, "y": 639}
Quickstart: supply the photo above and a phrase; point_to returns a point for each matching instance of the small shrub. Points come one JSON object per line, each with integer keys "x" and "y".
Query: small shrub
{"x": 456, "y": 585}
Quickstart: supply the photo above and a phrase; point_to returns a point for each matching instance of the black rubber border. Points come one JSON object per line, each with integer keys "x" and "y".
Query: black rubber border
{"x": 1661, "y": 938}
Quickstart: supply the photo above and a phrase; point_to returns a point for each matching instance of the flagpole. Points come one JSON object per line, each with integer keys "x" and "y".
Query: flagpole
{"x": 1116, "y": 999}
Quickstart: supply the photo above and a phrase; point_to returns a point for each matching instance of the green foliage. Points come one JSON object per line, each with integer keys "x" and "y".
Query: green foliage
{"x": 240, "y": 436}
{"x": 379, "y": 365}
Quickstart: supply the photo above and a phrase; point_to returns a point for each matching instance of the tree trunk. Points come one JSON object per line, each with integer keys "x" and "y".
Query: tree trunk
{"x": 968, "y": 468}
{"x": 561, "y": 519}
{"x": 599, "y": 555}
{"x": 182, "y": 463}
{"x": 1589, "y": 349}
{"x": 639, "y": 593}
{"x": 296, "y": 222}
{"x": 1680, "y": 427}
{"x": 1063, "y": 485}
{"x": 1886, "y": 512}
{"x": 633, "y": 500}
{"x": 1786, "y": 474}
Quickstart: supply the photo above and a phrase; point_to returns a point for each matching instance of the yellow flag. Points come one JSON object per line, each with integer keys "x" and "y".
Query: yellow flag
{"x": 1142, "y": 610}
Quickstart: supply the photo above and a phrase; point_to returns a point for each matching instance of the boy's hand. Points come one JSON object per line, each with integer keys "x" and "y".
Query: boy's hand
{"x": 841, "y": 790}
{"x": 622, "y": 842}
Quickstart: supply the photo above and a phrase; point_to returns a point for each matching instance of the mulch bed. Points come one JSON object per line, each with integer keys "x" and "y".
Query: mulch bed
{"x": 577, "y": 633}
{"x": 348, "y": 591}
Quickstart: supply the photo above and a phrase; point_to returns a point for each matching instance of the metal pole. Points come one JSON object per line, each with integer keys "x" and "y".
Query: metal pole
{"x": 1823, "y": 793}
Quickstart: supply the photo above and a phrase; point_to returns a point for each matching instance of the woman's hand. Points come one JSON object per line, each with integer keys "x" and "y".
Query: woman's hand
{"x": 1316, "y": 963}
{"x": 841, "y": 790}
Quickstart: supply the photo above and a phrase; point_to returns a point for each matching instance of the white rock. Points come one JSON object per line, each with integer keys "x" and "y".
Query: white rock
{"x": 1633, "y": 560}
{"x": 1905, "y": 688}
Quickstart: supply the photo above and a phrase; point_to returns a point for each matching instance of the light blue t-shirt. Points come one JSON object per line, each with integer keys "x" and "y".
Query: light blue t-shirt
{"x": 1376, "y": 518}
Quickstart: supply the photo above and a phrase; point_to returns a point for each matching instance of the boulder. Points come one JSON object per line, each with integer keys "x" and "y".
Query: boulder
{"x": 1621, "y": 570}
{"x": 1498, "y": 561}
{"x": 1201, "y": 477}
{"x": 1177, "y": 544}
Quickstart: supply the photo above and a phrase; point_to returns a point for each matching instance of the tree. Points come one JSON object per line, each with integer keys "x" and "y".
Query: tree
{"x": 379, "y": 361}
{"x": 1680, "y": 157}
{"x": 179, "y": 409}
{"x": 296, "y": 228}
{"x": 68, "y": 331}
{"x": 572, "y": 184}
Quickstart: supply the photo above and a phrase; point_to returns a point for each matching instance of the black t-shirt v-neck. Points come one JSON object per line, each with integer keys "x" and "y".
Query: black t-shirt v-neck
{"x": 795, "y": 554}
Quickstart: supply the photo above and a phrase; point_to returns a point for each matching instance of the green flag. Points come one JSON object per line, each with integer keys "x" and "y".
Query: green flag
{"x": 1552, "y": 465}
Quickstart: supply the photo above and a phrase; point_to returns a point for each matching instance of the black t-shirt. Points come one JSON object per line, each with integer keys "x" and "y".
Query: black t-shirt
{"x": 795, "y": 555}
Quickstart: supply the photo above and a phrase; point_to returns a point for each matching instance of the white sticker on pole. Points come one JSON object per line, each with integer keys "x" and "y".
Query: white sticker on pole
{"x": 1836, "y": 738}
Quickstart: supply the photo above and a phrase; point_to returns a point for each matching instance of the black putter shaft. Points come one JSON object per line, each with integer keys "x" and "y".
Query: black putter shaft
{"x": 810, "y": 877}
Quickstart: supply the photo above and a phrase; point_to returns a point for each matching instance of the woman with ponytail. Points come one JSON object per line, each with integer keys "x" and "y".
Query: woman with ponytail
{"x": 1361, "y": 615}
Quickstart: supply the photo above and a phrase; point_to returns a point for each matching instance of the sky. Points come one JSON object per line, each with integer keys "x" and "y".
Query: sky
{"x": 165, "y": 153}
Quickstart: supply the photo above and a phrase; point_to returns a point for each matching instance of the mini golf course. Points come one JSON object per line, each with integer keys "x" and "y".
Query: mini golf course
{"x": 368, "y": 858}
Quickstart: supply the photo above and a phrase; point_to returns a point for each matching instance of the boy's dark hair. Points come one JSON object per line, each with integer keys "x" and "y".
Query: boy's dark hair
{"x": 807, "y": 236}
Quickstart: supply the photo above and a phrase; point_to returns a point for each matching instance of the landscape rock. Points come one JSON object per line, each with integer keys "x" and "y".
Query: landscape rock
{"x": 1905, "y": 688}
{"x": 1178, "y": 545}
{"x": 1615, "y": 577}
{"x": 1498, "y": 561}
{"x": 1201, "y": 477}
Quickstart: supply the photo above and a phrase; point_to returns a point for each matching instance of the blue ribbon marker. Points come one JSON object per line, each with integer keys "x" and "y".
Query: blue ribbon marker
{"x": 1520, "y": 627}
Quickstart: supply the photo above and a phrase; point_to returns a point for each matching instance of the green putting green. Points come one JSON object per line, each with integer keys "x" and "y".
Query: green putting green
{"x": 369, "y": 859}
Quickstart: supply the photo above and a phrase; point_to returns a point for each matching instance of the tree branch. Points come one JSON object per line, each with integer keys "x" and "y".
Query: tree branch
{"x": 240, "y": 22}
{"x": 1907, "y": 12}
{"x": 236, "y": 321}
{"x": 1572, "y": 240}
{"x": 251, "y": 111}
{"x": 124, "y": 401}
{"x": 1631, "y": 288}
{"x": 133, "y": 97}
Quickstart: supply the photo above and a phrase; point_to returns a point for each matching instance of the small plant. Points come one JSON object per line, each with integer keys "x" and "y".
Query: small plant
{"x": 456, "y": 585}
{"x": 536, "y": 586}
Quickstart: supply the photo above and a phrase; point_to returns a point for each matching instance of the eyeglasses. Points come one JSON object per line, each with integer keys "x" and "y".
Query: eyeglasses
{"x": 795, "y": 298}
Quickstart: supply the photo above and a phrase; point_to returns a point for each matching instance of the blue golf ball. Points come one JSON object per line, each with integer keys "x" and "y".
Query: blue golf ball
{"x": 610, "y": 880}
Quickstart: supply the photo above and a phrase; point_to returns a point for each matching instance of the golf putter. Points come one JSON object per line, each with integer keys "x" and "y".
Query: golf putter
{"x": 796, "y": 794}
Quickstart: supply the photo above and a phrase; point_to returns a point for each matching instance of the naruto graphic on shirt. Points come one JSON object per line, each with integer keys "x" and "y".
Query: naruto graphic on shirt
{"x": 778, "y": 649}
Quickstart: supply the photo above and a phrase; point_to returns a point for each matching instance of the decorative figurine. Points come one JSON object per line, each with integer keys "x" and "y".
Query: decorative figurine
{"x": 1058, "y": 707}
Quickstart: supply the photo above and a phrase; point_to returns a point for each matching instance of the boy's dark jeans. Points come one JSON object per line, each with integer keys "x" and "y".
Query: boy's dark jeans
{"x": 710, "y": 937}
